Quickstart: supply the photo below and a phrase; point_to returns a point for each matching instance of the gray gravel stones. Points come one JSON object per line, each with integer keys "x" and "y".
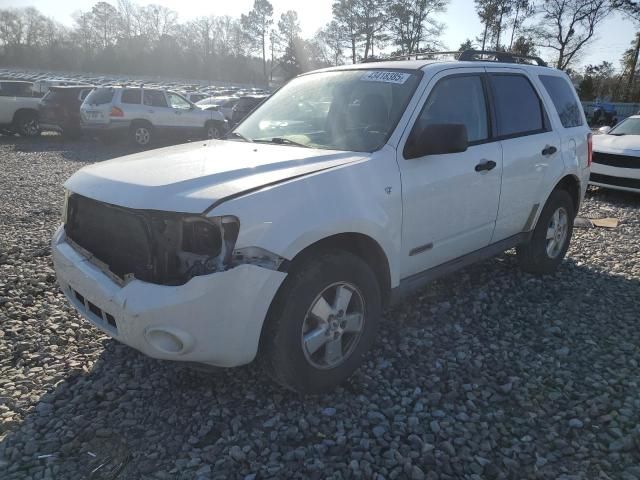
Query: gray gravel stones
{"x": 489, "y": 373}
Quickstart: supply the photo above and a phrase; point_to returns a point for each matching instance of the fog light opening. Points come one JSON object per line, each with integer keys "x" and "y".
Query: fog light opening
{"x": 165, "y": 341}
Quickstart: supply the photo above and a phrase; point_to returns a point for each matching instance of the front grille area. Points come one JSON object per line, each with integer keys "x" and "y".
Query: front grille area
{"x": 119, "y": 237}
{"x": 615, "y": 160}
{"x": 98, "y": 315}
{"x": 615, "y": 181}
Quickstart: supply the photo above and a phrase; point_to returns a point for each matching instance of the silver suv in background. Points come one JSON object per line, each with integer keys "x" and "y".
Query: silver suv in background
{"x": 141, "y": 114}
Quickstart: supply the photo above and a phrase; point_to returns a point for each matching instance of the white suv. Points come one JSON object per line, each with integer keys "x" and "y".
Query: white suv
{"x": 144, "y": 113}
{"x": 348, "y": 189}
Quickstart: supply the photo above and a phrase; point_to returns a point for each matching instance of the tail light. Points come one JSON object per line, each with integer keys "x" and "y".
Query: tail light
{"x": 116, "y": 112}
{"x": 589, "y": 148}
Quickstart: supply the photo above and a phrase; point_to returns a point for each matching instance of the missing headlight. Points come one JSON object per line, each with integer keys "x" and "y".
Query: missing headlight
{"x": 207, "y": 244}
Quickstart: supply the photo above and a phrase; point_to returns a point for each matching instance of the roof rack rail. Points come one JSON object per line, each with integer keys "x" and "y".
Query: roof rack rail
{"x": 506, "y": 57}
{"x": 464, "y": 55}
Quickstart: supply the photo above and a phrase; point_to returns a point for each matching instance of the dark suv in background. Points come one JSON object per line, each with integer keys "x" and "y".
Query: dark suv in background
{"x": 59, "y": 109}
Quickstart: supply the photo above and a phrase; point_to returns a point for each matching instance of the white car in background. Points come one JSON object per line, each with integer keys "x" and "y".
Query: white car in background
{"x": 616, "y": 156}
{"x": 222, "y": 104}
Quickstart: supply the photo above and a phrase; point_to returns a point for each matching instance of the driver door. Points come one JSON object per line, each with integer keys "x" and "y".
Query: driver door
{"x": 183, "y": 117}
{"x": 450, "y": 203}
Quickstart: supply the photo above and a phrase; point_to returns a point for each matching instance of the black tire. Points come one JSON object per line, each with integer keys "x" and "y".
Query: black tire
{"x": 141, "y": 134}
{"x": 542, "y": 255}
{"x": 213, "y": 130}
{"x": 27, "y": 124}
{"x": 282, "y": 352}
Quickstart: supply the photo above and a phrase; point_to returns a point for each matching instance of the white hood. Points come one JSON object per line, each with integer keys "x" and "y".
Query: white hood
{"x": 623, "y": 144}
{"x": 191, "y": 177}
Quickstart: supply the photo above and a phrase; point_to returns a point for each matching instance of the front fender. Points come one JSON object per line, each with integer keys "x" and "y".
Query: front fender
{"x": 364, "y": 197}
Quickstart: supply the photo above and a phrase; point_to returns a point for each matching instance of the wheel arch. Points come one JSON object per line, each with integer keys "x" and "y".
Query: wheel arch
{"x": 571, "y": 184}
{"x": 24, "y": 111}
{"x": 360, "y": 245}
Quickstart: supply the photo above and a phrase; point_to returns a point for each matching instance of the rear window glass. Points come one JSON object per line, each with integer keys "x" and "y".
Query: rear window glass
{"x": 564, "y": 100}
{"x": 518, "y": 108}
{"x": 131, "y": 96}
{"x": 100, "y": 96}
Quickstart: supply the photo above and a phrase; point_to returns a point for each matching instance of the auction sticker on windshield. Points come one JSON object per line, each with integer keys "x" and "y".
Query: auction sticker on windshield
{"x": 388, "y": 77}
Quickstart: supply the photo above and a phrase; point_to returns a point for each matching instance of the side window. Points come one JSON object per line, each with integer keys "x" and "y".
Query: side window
{"x": 131, "y": 96}
{"x": 83, "y": 94}
{"x": 177, "y": 101}
{"x": 154, "y": 98}
{"x": 518, "y": 108}
{"x": 461, "y": 100}
{"x": 564, "y": 100}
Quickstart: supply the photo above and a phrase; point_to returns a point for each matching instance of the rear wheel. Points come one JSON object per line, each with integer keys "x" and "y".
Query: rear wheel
{"x": 27, "y": 124}
{"x": 322, "y": 323}
{"x": 141, "y": 134}
{"x": 550, "y": 239}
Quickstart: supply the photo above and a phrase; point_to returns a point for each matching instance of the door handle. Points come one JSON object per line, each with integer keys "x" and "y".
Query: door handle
{"x": 486, "y": 166}
{"x": 549, "y": 150}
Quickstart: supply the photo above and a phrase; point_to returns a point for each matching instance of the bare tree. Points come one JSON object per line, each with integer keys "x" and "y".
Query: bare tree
{"x": 256, "y": 25}
{"x": 345, "y": 14}
{"x": 567, "y": 26}
{"x": 412, "y": 23}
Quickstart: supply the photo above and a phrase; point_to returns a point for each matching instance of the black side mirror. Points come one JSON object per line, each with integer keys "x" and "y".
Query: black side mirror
{"x": 436, "y": 139}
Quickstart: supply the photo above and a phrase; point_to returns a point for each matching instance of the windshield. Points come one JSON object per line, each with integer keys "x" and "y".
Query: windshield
{"x": 630, "y": 126}
{"x": 354, "y": 110}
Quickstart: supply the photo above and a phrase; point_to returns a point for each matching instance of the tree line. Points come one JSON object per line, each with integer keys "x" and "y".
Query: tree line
{"x": 129, "y": 38}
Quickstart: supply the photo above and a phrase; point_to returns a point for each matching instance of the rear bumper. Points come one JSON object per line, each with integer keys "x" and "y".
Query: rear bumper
{"x": 215, "y": 319}
{"x": 111, "y": 127}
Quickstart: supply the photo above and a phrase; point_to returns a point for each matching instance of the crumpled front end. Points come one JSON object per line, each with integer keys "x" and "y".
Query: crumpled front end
{"x": 211, "y": 317}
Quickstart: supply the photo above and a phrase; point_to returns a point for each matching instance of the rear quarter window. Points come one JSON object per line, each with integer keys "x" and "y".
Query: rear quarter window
{"x": 518, "y": 107}
{"x": 100, "y": 96}
{"x": 564, "y": 100}
{"x": 131, "y": 96}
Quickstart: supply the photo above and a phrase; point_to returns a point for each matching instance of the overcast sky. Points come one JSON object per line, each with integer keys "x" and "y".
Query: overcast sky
{"x": 614, "y": 35}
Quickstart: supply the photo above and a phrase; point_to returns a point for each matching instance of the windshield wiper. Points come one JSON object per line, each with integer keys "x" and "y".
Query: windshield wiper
{"x": 240, "y": 136}
{"x": 282, "y": 141}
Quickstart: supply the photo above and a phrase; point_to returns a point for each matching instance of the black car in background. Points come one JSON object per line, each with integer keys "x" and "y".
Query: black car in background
{"x": 244, "y": 106}
{"x": 59, "y": 109}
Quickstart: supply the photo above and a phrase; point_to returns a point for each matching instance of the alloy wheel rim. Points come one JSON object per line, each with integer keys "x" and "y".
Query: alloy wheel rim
{"x": 333, "y": 325}
{"x": 142, "y": 136}
{"x": 212, "y": 132}
{"x": 31, "y": 127}
{"x": 557, "y": 232}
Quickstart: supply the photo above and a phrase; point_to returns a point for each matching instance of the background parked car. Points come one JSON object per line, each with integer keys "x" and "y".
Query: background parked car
{"x": 59, "y": 109}
{"x": 616, "y": 156}
{"x": 142, "y": 113}
{"x": 18, "y": 109}
{"x": 244, "y": 106}
{"x": 223, "y": 104}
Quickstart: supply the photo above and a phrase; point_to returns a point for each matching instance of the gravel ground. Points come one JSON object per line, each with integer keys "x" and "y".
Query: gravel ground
{"x": 489, "y": 373}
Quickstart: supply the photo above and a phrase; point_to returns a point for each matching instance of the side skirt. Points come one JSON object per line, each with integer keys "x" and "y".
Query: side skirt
{"x": 415, "y": 282}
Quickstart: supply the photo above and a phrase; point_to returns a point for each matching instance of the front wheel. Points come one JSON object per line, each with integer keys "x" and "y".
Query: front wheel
{"x": 322, "y": 323}
{"x": 550, "y": 240}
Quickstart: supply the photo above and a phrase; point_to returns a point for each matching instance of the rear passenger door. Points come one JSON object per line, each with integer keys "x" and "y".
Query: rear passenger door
{"x": 529, "y": 146}
{"x": 157, "y": 110}
{"x": 449, "y": 201}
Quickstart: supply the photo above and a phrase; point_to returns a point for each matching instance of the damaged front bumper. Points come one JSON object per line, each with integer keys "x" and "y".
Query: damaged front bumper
{"x": 214, "y": 319}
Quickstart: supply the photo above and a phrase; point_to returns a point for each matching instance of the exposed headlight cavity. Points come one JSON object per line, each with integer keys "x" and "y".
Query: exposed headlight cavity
{"x": 207, "y": 244}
